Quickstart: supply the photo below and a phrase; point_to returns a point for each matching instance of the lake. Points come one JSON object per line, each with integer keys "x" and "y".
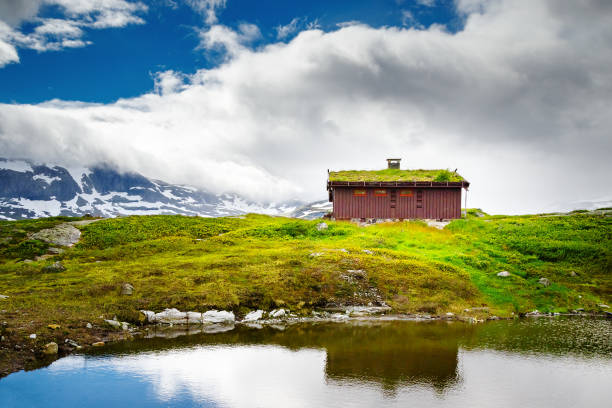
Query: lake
{"x": 539, "y": 362}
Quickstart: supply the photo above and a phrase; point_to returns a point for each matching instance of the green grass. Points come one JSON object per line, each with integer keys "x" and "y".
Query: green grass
{"x": 265, "y": 262}
{"x": 394, "y": 175}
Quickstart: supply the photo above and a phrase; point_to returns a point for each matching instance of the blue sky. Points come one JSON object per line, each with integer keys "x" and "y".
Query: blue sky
{"x": 120, "y": 61}
{"x": 261, "y": 97}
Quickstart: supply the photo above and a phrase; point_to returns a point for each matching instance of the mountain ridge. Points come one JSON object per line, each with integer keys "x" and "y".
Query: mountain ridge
{"x": 31, "y": 190}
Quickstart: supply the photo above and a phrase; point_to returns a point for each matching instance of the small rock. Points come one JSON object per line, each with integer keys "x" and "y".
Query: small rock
{"x": 71, "y": 343}
{"x": 54, "y": 267}
{"x": 367, "y": 251}
{"x": 315, "y": 254}
{"x": 113, "y": 323}
{"x": 33, "y": 335}
{"x": 357, "y": 273}
{"x": 503, "y": 274}
{"x": 572, "y": 273}
{"x": 580, "y": 309}
{"x": 253, "y": 316}
{"x": 450, "y": 314}
{"x": 603, "y": 306}
{"x": 98, "y": 344}
{"x": 321, "y": 226}
{"x": 53, "y": 326}
{"x": 277, "y": 313}
{"x": 343, "y": 250}
{"x": 4, "y": 297}
{"x": 534, "y": 313}
{"x": 544, "y": 282}
{"x": 55, "y": 251}
{"x": 17, "y": 347}
{"x": 43, "y": 257}
{"x": 89, "y": 326}
{"x": 146, "y": 316}
{"x": 50, "y": 348}
{"x": 493, "y": 318}
{"x": 27, "y": 261}
{"x": 221, "y": 317}
{"x": 127, "y": 289}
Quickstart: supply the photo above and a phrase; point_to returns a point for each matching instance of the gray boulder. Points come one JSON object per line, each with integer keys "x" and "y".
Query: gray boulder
{"x": 50, "y": 348}
{"x": 544, "y": 282}
{"x": 62, "y": 235}
{"x": 503, "y": 274}
{"x": 54, "y": 267}
{"x": 321, "y": 226}
{"x": 127, "y": 289}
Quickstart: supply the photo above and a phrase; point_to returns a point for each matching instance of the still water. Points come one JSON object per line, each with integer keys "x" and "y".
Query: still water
{"x": 544, "y": 362}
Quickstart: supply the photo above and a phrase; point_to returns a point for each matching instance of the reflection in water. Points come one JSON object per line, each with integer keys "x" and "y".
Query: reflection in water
{"x": 526, "y": 363}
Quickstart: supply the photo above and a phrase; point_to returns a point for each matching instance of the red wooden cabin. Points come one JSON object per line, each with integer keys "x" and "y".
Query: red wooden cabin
{"x": 396, "y": 194}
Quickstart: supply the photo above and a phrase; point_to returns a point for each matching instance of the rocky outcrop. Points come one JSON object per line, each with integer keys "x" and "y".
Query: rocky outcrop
{"x": 64, "y": 235}
{"x": 253, "y": 316}
{"x": 175, "y": 316}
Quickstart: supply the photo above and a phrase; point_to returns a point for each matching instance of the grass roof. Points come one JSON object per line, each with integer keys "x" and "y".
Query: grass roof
{"x": 394, "y": 175}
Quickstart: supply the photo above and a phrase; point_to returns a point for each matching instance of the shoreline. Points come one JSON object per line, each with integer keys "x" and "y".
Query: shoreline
{"x": 27, "y": 354}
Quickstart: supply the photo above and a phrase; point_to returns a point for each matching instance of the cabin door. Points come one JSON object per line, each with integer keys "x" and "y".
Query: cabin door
{"x": 420, "y": 211}
{"x": 393, "y": 203}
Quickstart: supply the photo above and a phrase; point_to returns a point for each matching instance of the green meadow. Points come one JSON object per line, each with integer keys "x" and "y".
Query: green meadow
{"x": 262, "y": 262}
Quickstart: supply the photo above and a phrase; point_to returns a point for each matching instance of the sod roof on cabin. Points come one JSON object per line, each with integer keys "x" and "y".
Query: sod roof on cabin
{"x": 394, "y": 175}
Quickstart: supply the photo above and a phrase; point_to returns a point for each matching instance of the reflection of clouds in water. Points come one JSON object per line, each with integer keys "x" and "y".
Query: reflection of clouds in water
{"x": 233, "y": 376}
{"x": 272, "y": 376}
{"x": 523, "y": 380}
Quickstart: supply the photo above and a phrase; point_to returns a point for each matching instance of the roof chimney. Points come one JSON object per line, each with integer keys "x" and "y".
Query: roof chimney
{"x": 393, "y": 163}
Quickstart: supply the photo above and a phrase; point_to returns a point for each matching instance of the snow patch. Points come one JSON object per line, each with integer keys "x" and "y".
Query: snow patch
{"x": 46, "y": 178}
{"x": 42, "y": 208}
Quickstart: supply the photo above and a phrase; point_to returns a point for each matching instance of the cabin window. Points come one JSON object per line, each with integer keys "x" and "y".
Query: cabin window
{"x": 405, "y": 193}
{"x": 359, "y": 193}
{"x": 380, "y": 193}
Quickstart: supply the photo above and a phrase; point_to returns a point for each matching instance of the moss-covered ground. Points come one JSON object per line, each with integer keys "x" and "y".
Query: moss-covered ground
{"x": 257, "y": 261}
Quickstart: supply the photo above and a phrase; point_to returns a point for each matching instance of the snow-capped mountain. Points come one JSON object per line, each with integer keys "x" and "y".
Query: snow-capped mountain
{"x": 313, "y": 210}
{"x": 29, "y": 190}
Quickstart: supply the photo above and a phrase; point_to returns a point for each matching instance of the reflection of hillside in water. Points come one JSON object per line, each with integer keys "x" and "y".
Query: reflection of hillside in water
{"x": 395, "y": 354}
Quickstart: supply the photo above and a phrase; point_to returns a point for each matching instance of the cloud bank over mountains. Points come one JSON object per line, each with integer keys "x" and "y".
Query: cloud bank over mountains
{"x": 519, "y": 99}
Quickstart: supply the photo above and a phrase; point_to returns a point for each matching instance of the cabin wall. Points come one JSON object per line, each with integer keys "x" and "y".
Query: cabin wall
{"x": 436, "y": 203}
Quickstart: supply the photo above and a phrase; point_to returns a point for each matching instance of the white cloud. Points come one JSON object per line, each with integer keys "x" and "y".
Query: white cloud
{"x": 426, "y": 3}
{"x": 169, "y": 82}
{"x": 233, "y": 42}
{"x": 284, "y": 31}
{"x": 523, "y": 113}
{"x": 408, "y": 20}
{"x": 208, "y": 8}
{"x": 58, "y": 33}
{"x": 8, "y": 52}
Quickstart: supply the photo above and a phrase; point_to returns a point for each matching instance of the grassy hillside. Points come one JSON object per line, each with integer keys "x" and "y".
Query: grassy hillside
{"x": 264, "y": 262}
